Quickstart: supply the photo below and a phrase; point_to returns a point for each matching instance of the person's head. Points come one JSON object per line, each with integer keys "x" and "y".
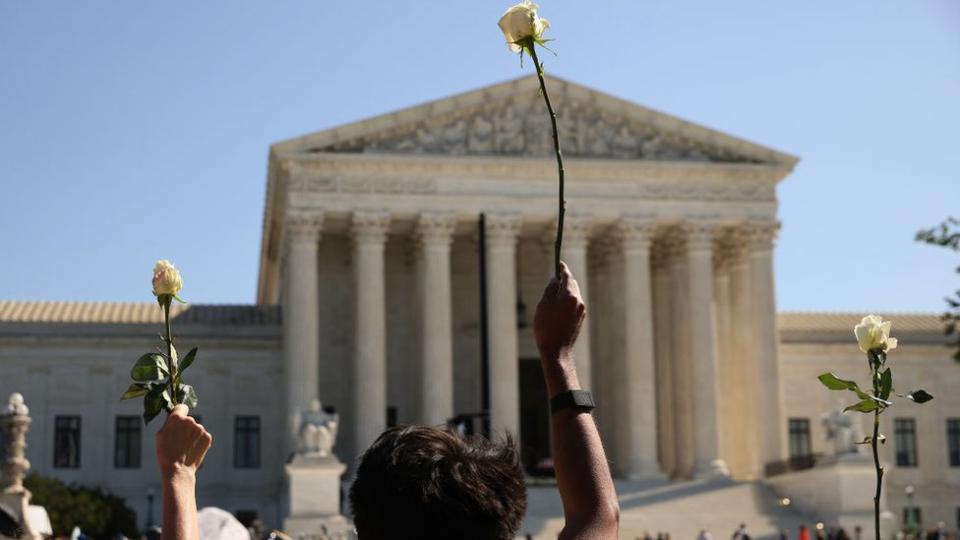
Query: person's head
{"x": 428, "y": 482}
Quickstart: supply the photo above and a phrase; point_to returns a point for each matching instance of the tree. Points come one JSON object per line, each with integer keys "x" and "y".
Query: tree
{"x": 99, "y": 514}
{"x": 947, "y": 235}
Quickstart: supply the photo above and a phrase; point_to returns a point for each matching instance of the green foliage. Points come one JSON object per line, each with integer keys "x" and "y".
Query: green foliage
{"x": 947, "y": 235}
{"x": 150, "y": 367}
{"x": 158, "y": 377}
{"x": 919, "y": 396}
{"x": 99, "y": 514}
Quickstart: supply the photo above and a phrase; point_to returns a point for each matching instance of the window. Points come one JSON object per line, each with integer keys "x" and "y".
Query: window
{"x": 953, "y": 441}
{"x": 905, "y": 434}
{"x": 799, "y": 429}
{"x": 66, "y": 442}
{"x": 911, "y": 517}
{"x": 126, "y": 443}
{"x": 246, "y": 442}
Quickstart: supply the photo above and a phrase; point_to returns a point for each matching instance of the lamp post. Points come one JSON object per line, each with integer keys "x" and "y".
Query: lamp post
{"x": 149, "y": 508}
{"x": 908, "y": 491}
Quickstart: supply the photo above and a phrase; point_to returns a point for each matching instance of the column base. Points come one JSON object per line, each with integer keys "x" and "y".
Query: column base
{"x": 645, "y": 472}
{"x": 711, "y": 469}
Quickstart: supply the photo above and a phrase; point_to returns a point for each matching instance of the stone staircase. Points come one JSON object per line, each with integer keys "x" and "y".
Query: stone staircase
{"x": 680, "y": 508}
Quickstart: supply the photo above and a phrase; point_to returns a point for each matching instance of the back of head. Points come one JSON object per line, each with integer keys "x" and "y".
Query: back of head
{"x": 431, "y": 483}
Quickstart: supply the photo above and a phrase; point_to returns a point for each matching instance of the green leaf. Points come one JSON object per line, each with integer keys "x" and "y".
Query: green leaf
{"x": 149, "y": 367}
{"x": 187, "y": 360}
{"x": 178, "y": 299}
{"x": 919, "y": 396}
{"x": 187, "y": 395}
{"x": 134, "y": 390}
{"x": 833, "y": 382}
{"x": 886, "y": 383}
{"x": 175, "y": 359}
{"x": 156, "y": 400}
{"x": 864, "y": 406}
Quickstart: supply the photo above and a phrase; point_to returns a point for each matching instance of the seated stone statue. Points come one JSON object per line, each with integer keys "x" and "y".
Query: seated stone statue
{"x": 844, "y": 431}
{"x": 318, "y": 430}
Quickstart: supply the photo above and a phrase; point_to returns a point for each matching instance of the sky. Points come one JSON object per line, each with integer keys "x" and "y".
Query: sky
{"x": 133, "y": 131}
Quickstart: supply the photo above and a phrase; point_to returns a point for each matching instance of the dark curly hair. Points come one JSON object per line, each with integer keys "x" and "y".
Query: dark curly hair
{"x": 432, "y": 483}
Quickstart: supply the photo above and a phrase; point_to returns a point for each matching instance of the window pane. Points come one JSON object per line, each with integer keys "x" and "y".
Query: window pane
{"x": 905, "y": 436}
{"x": 66, "y": 442}
{"x": 953, "y": 441}
{"x": 799, "y": 429}
{"x": 246, "y": 445}
{"x": 126, "y": 452}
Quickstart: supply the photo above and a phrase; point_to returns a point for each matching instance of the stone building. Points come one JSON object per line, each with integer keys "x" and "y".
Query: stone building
{"x": 372, "y": 250}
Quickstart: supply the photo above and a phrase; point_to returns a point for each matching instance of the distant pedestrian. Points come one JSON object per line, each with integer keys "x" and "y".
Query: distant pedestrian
{"x": 784, "y": 534}
{"x": 803, "y": 533}
{"x": 740, "y": 533}
{"x": 704, "y": 535}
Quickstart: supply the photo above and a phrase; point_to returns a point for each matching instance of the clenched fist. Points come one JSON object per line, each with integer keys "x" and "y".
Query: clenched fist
{"x": 559, "y": 316}
{"x": 181, "y": 444}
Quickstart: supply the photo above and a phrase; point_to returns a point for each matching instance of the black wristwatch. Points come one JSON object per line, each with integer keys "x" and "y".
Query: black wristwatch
{"x": 581, "y": 400}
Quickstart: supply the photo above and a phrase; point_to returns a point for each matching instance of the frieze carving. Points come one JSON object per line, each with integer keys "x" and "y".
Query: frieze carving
{"x": 397, "y": 177}
{"x": 519, "y": 126}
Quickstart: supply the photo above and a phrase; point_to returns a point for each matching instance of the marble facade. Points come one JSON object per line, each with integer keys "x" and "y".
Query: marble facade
{"x": 393, "y": 203}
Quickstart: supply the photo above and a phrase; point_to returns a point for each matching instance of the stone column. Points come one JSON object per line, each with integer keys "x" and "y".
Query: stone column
{"x": 681, "y": 362}
{"x": 703, "y": 351}
{"x": 434, "y": 234}
{"x": 770, "y": 400}
{"x": 576, "y": 236}
{"x": 728, "y": 387}
{"x": 636, "y": 406}
{"x": 301, "y": 344}
{"x": 369, "y": 230}
{"x": 663, "y": 349}
{"x": 501, "y": 237}
{"x": 742, "y": 352}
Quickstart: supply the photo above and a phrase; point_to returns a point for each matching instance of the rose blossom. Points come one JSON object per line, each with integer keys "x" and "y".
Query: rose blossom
{"x": 874, "y": 333}
{"x": 166, "y": 279}
{"x": 520, "y": 22}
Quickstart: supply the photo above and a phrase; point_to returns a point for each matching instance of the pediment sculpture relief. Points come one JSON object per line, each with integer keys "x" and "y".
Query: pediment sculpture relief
{"x": 519, "y": 127}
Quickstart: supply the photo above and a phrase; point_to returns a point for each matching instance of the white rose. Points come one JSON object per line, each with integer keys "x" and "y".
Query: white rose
{"x": 166, "y": 279}
{"x": 520, "y": 22}
{"x": 874, "y": 333}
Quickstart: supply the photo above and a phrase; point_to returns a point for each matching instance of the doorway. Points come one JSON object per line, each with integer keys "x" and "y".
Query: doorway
{"x": 534, "y": 420}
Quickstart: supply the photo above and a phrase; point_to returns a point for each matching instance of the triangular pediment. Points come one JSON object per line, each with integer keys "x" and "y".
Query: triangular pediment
{"x": 510, "y": 119}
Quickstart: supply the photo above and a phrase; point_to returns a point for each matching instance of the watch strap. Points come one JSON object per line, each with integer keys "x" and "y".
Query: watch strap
{"x": 581, "y": 400}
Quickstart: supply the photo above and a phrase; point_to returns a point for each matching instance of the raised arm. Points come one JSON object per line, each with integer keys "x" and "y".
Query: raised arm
{"x": 181, "y": 445}
{"x": 590, "y": 506}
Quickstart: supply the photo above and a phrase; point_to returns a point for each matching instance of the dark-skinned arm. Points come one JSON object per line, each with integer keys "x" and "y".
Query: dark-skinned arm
{"x": 590, "y": 506}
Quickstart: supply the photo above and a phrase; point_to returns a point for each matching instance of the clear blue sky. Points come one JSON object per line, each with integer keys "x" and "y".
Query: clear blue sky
{"x": 131, "y": 131}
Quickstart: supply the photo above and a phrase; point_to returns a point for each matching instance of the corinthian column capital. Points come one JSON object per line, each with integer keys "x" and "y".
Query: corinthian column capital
{"x": 761, "y": 235}
{"x": 502, "y": 229}
{"x": 303, "y": 227}
{"x": 370, "y": 226}
{"x": 576, "y": 230}
{"x": 435, "y": 228}
{"x": 700, "y": 235}
{"x": 635, "y": 232}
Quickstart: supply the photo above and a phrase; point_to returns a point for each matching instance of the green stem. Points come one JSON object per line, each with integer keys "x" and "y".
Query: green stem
{"x": 531, "y": 48}
{"x": 876, "y": 463}
{"x": 170, "y": 365}
{"x": 874, "y": 369}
